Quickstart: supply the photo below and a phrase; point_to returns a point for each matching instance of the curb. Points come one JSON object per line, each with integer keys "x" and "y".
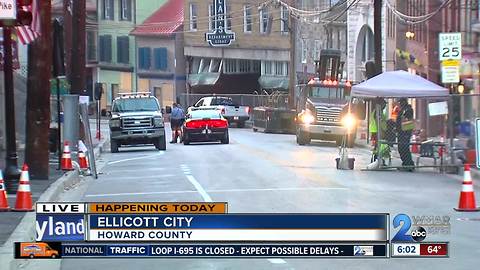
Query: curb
{"x": 25, "y": 231}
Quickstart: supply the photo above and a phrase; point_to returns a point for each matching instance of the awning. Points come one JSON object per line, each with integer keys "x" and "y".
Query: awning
{"x": 209, "y": 78}
{"x": 273, "y": 82}
{"x": 398, "y": 84}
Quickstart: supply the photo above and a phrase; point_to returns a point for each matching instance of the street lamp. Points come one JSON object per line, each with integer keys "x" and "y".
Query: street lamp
{"x": 460, "y": 88}
{"x": 409, "y": 35}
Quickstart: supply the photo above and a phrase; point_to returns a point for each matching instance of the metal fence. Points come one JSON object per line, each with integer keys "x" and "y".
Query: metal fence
{"x": 440, "y": 136}
{"x": 276, "y": 99}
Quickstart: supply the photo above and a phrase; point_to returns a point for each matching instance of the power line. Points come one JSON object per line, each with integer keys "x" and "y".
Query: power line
{"x": 415, "y": 19}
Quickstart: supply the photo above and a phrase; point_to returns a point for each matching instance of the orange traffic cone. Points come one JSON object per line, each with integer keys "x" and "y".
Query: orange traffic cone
{"x": 66, "y": 158}
{"x": 82, "y": 161}
{"x": 3, "y": 195}
{"x": 415, "y": 148}
{"x": 24, "y": 196}
{"x": 467, "y": 195}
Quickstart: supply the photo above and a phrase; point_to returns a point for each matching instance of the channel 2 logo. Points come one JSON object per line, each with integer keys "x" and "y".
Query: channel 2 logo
{"x": 417, "y": 234}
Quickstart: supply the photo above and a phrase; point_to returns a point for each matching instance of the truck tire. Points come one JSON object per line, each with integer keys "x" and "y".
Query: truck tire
{"x": 113, "y": 146}
{"x": 303, "y": 138}
{"x": 161, "y": 144}
{"x": 241, "y": 124}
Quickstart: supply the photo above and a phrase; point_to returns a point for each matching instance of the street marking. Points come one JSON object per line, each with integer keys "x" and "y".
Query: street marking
{"x": 277, "y": 261}
{"x": 212, "y": 191}
{"x": 195, "y": 183}
{"x": 141, "y": 193}
{"x": 130, "y": 170}
{"x": 136, "y": 177}
{"x": 199, "y": 188}
{"x": 276, "y": 189}
{"x": 136, "y": 158}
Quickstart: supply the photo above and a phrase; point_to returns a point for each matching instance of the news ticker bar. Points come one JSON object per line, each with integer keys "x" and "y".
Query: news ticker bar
{"x": 426, "y": 249}
{"x": 205, "y": 250}
{"x": 133, "y": 208}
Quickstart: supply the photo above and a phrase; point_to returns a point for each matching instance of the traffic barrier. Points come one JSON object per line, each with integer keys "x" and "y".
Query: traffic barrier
{"x": 66, "y": 162}
{"x": 24, "y": 195}
{"x": 3, "y": 195}
{"x": 466, "y": 202}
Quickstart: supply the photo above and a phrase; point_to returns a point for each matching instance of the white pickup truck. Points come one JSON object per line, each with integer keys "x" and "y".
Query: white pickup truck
{"x": 232, "y": 112}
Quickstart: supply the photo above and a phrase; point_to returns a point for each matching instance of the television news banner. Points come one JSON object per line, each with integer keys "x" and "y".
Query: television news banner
{"x": 207, "y": 230}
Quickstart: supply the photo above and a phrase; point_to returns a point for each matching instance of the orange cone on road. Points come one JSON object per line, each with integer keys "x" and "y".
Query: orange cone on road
{"x": 82, "y": 161}
{"x": 24, "y": 196}
{"x": 3, "y": 195}
{"x": 66, "y": 158}
{"x": 467, "y": 195}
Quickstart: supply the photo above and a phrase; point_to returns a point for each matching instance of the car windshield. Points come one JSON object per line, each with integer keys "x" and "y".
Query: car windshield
{"x": 222, "y": 101}
{"x": 201, "y": 114}
{"x": 135, "y": 105}
{"x": 326, "y": 92}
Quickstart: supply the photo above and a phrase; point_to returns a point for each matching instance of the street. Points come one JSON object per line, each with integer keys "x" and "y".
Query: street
{"x": 269, "y": 173}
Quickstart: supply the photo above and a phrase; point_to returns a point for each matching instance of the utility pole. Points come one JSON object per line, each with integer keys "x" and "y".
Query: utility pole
{"x": 292, "y": 80}
{"x": 12, "y": 173}
{"x": 67, "y": 35}
{"x": 377, "y": 29}
{"x": 38, "y": 97}
{"x": 77, "y": 63}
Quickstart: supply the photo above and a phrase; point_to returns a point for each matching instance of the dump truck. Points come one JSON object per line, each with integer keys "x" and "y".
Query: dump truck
{"x": 324, "y": 108}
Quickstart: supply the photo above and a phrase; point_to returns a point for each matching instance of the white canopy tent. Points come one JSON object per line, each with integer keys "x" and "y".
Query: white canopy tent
{"x": 397, "y": 84}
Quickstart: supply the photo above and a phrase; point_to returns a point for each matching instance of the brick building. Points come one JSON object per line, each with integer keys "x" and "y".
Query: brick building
{"x": 258, "y": 58}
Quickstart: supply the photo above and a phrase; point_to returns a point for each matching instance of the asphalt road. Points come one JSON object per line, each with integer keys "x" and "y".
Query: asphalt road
{"x": 269, "y": 173}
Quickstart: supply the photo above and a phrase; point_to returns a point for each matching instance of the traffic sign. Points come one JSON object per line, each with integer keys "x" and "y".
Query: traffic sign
{"x": 8, "y": 9}
{"x": 451, "y": 71}
{"x": 450, "y": 46}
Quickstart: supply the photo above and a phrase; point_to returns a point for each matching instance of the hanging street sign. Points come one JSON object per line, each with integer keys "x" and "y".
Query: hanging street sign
{"x": 220, "y": 36}
{"x": 450, "y": 46}
{"x": 8, "y": 9}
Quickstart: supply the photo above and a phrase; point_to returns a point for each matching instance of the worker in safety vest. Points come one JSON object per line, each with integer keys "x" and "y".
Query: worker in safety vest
{"x": 395, "y": 111}
{"x": 384, "y": 149}
{"x": 405, "y": 126}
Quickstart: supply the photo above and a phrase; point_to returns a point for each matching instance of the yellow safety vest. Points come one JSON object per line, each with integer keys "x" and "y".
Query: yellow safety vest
{"x": 373, "y": 122}
{"x": 406, "y": 124}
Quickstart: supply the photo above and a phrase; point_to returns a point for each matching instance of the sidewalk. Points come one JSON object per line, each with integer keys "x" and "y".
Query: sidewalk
{"x": 10, "y": 220}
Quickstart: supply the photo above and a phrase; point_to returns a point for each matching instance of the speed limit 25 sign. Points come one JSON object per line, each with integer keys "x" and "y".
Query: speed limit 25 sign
{"x": 450, "y": 46}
